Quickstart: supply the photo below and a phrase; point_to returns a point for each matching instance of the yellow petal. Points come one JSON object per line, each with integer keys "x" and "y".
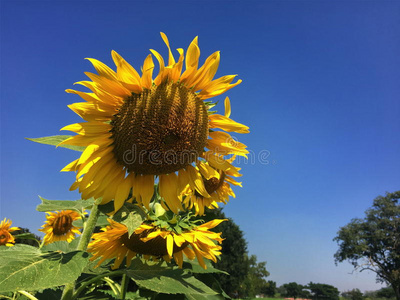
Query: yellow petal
{"x": 126, "y": 73}
{"x": 171, "y": 59}
{"x": 146, "y": 188}
{"x": 71, "y": 166}
{"x": 178, "y": 256}
{"x": 227, "y": 107}
{"x": 110, "y": 86}
{"x": 162, "y": 74}
{"x": 227, "y": 124}
{"x": 212, "y": 224}
{"x": 168, "y": 187}
{"x": 148, "y": 67}
{"x": 102, "y": 69}
{"x": 207, "y": 171}
{"x": 197, "y": 181}
{"x": 170, "y": 244}
{"x": 221, "y": 164}
{"x": 122, "y": 193}
{"x": 88, "y": 128}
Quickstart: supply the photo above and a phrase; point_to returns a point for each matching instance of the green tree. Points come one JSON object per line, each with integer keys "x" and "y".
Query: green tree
{"x": 373, "y": 243}
{"x": 269, "y": 289}
{"x": 321, "y": 291}
{"x": 292, "y": 290}
{"x": 386, "y": 292}
{"x": 254, "y": 282}
{"x": 233, "y": 257}
{"x": 29, "y": 238}
{"x": 354, "y": 294}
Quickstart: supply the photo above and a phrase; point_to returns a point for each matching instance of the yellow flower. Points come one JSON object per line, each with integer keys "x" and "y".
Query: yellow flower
{"x": 217, "y": 183}
{"x": 6, "y": 238}
{"x": 156, "y": 243}
{"x": 138, "y": 128}
{"x": 58, "y": 226}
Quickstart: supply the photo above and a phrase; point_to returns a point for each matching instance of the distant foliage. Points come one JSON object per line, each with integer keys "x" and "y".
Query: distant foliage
{"x": 354, "y": 294}
{"x": 27, "y": 237}
{"x": 387, "y": 292}
{"x": 315, "y": 291}
{"x": 321, "y": 291}
{"x": 269, "y": 289}
{"x": 254, "y": 283}
{"x": 292, "y": 290}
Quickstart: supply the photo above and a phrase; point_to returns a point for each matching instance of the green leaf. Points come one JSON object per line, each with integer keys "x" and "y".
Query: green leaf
{"x": 167, "y": 280}
{"x": 52, "y": 205}
{"x": 101, "y": 222}
{"x": 54, "y": 140}
{"x": 131, "y": 216}
{"x": 213, "y": 283}
{"x": 24, "y": 267}
{"x": 96, "y": 295}
{"x": 128, "y": 295}
{"x": 204, "y": 297}
{"x": 62, "y": 246}
{"x": 49, "y": 294}
{"x": 107, "y": 208}
{"x": 194, "y": 267}
{"x": 27, "y": 236}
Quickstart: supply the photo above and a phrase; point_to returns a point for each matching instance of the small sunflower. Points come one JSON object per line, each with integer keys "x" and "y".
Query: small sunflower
{"x": 217, "y": 182}
{"x": 139, "y": 129}
{"x": 58, "y": 226}
{"x": 6, "y": 238}
{"x": 154, "y": 242}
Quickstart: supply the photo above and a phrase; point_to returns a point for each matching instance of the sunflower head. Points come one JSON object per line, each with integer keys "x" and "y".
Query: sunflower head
{"x": 59, "y": 227}
{"x": 6, "y": 238}
{"x": 154, "y": 242}
{"x": 160, "y": 130}
{"x": 217, "y": 180}
{"x": 139, "y": 128}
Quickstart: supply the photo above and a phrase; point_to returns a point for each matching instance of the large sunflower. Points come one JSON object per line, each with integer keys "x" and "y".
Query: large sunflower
{"x": 59, "y": 227}
{"x": 6, "y": 238}
{"x": 154, "y": 242}
{"x": 138, "y": 128}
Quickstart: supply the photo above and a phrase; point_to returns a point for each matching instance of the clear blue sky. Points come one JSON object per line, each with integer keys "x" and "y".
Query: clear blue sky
{"x": 320, "y": 92}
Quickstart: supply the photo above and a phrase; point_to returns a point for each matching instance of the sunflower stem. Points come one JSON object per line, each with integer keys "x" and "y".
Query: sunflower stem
{"x": 124, "y": 286}
{"x": 82, "y": 246}
{"x": 93, "y": 280}
{"x": 28, "y": 295}
{"x": 88, "y": 228}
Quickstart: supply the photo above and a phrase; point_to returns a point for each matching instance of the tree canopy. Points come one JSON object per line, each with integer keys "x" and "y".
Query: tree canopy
{"x": 246, "y": 275}
{"x": 373, "y": 243}
{"x": 354, "y": 294}
{"x": 254, "y": 283}
{"x": 293, "y": 290}
{"x": 323, "y": 291}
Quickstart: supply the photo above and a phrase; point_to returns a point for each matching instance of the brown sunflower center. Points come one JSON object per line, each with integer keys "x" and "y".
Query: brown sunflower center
{"x": 62, "y": 225}
{"x": 212, "y": 184}
{"x": 160, "y": 130}
{"x": 156, "y": 247}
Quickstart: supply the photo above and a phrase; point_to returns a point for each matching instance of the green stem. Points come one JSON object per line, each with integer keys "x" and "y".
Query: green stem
{"x": 93, "y": 280}
{"x": 116, "y": 288}
{"x": 82, "y": 246}
{"x": 124, "y": 286}
{"x": 28, "y": 295}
